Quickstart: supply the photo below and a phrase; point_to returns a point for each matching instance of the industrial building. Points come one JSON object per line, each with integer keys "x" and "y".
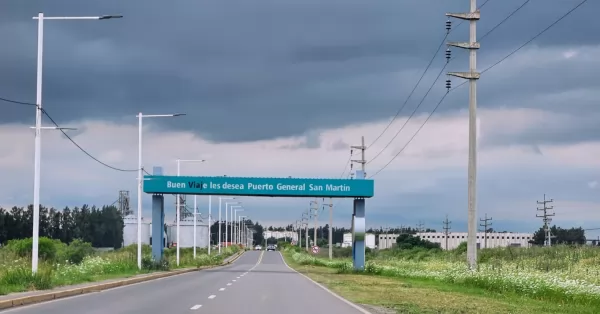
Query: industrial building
{"x": 489, "y": 240}
{"x": 369, "y": 240}
{"x": 186, "y": 227}
{"x": 281, "y": 234}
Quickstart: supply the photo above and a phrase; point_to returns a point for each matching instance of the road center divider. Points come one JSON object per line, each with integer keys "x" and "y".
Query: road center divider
{"x": 53, "y": 295}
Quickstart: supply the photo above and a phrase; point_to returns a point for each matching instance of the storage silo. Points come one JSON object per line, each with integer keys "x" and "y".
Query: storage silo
{"x": 130, "y": 231}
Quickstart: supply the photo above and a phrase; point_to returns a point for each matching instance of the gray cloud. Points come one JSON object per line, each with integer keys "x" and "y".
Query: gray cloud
{"x": 248, "y": 71}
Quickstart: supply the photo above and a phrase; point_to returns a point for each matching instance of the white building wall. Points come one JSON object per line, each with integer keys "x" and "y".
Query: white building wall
{"x": 493, "y": 239}
{"x": 456, "y": 238}
{"x": 370, "y": 240}
{"x": 130, "y": 231}
{"x": 186, "y": 237}
{"x": 281, "y": 234}
{"x": 386, "y": 241}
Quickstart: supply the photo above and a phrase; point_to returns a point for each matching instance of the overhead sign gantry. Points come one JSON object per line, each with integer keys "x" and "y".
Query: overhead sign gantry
{"x": 359, "y": 189}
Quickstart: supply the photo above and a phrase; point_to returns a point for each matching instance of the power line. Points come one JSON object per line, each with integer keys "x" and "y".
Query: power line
{"x": 504, "y": 20}
{"x": 413, "y": 90}
{"x": 424, "y": 72}
{"x": 406, "y": 122}
{"x": 411, "y": 115}
{"x": 410, "y": 140}
{"x": 487, "y": 69}
{"x": 17, "y": 102}
{"x": 81, "y": 148}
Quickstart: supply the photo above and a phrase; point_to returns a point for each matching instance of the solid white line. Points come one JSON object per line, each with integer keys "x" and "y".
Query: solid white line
{"x": 222, "y": 289}
{"x": 22, "y": 307}
{"x": 195, "y": 307}
{"x": 212, "y": 296}
{"x": 358, "y": 308}
{"x": 229, "y": 284}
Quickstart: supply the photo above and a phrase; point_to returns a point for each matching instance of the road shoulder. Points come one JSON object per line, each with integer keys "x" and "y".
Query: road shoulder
{"x": 31, "y": 297}
{"x": 383, "y": 295}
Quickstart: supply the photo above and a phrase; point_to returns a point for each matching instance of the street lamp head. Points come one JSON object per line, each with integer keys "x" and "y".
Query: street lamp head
{"x": 179, "y": 114}
{"x": 108, "y": 17}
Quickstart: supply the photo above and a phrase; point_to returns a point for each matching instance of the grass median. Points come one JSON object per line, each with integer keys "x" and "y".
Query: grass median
{"x": 401, "y": 292}
{"x": 77, "y": 263}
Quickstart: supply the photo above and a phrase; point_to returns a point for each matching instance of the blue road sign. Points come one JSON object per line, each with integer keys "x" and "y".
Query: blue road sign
{"x": 277, "y": 187}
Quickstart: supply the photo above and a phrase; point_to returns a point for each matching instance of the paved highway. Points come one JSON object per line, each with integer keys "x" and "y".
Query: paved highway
{"x": 258, "y": 282}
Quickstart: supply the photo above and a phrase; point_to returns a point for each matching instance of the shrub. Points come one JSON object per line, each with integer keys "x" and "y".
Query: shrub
{"x": 47, "y": 248}
{"x": 77, "y": 250}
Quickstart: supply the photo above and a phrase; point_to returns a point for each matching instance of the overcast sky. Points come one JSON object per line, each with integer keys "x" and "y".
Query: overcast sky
{"x": 282, "y": 88}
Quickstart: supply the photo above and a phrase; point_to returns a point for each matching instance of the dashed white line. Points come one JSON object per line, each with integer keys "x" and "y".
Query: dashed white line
{"x": 212, "y": 296}
{"x": 238, "y": 277}
{"x": 222, "y": 289}
{"x": 229, "y": 284}
{"x": 233, "y": 280}
{"x": 195, "y": 307}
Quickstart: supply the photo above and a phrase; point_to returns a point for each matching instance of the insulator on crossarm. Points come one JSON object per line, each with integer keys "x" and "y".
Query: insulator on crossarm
{"x": 448, "y": 55}
{"x": 448, "y": 26}
{"x": 448, "y": 84}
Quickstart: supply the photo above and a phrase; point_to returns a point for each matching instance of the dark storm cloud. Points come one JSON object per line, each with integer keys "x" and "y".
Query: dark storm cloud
{"x": 254, "y": 70}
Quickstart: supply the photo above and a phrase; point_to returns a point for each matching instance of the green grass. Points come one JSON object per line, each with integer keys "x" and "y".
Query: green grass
{"x": 549, "y": 280}
{"x": 16, "y": 275}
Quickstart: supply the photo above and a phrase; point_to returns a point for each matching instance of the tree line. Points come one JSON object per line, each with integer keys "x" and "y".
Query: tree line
{"x": 100, "y": 226}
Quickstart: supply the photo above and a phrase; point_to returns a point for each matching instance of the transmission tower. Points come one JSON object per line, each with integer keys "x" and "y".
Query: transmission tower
{"x": 447, "y": 229}
{"x": 184, "y": 212}
{"x": 124, "y": 203}
{"x": 362, "y": 161}
{"x": 420, "y": 227}
{"x": 486, "y": 223}
{"x": 545, "y": 218}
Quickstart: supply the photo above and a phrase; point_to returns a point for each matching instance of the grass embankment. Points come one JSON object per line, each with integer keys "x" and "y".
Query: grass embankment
{"x": 62, "y": 264}
{"x": 509, "y": 280}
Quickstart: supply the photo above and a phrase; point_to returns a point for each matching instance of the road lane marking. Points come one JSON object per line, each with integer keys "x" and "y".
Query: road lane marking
{"x": 195, "y": 307}
{"x": 233, "y": 280}
{"x": 239, "y": 277}
{"x": 222, "y": 289}
{"x": 229, "y": 284}
{"x": 257, "y": 263}
{"x": 356, "y": 307}
{"x": 212, "y": 296}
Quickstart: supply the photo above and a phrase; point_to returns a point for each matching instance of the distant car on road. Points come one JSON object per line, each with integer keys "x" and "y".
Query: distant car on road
{"x": 258, "y": 248}
{"x": 271, "y": 248}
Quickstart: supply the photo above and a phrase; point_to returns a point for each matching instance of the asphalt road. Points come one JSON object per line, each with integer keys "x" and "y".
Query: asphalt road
{"x": 258, "y": 282}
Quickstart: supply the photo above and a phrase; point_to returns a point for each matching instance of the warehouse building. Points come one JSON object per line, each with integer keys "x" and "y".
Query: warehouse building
{"x": 489, "y": 240}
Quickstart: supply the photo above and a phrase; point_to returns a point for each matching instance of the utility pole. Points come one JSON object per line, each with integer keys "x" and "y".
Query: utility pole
{"x": 472, "y": 45}
{"x": 330, "y": 228}
{"x": 420, "y": 227}
{"x": 362, "y": 161}
{"x": 446, "y": 230}
{"x": 315, "y": 213}
{"x": 486, "y": 223}
{"x": 544, "y": 216}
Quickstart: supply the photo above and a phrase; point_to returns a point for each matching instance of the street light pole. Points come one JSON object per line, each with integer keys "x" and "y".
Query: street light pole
{"x": 140, "y": 117}
{"x": 179, "y": 161}
{"x": 234, "y": 220}
{"x": 209, "y": 218}
{"x": 38, "y": 128}
{"x": 220, "y": 234}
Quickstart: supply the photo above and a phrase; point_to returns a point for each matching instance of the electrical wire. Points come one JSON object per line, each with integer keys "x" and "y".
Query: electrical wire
{"x": 412, "y": 91}
{"x": 485, "y": 70}
{"x": 81, "y": 148}
{"x": 426, "y": 69}
{"x": 17, "y": 102}
{"x": 411, "y": 115}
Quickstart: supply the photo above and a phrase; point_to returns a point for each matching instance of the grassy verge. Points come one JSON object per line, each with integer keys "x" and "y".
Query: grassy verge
{"x": 411, "y": 295}
{"x": 16, "y": 275}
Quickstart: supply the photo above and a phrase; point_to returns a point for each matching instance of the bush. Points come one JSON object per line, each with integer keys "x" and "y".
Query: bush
{"x": 150, "y": 264}
{"x": 47, "y": 248}
{"x": 77, "y": 250}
